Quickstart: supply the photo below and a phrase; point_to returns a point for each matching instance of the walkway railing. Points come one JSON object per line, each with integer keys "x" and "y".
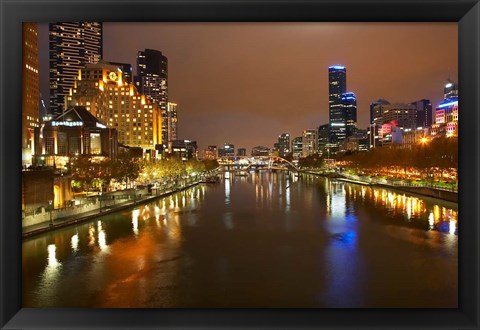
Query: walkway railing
{"x": 97, "y": 203}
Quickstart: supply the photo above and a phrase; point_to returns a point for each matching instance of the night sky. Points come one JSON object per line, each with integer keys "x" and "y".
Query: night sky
{"x": 246, "y": 83}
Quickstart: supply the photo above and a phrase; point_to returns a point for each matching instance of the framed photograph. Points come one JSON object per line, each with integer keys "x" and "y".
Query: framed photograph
{"x": 239, "y": 164}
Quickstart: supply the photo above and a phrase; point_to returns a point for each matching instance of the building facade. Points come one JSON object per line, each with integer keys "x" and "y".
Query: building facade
{"x": 71, "y": 46}
{"x": 127, "y": 71}
{"x": 152, "y": 81}
{"x": 323, "y": 134}
{"x": 446, "y": 113}
{"x": 284, "y": 144}
{"x": 410, "y": 138}
{"x": 309, "y": 142}
{"x": 349, "y": 101}
{"x": 101, "y": 90}
{"x": 30, "y": 90}
{"x": 211, "y": 153}
{"x": 297, "y": 147}
{"x": 183, "y": 149}
{"x": 172, "y": 133}
{"x": 73, "y": 133}
{"x": 241, "y": 152}
{"x": 337, "y": 86}
{"x": 227, "y": 150}
{"x": 424, "y": 113}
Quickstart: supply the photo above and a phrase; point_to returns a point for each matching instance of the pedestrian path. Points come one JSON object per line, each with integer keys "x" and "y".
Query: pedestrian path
{"x": 78, "y": 218}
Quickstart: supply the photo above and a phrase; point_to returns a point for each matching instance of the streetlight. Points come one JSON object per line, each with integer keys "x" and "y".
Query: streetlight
{"x": 50, "y": 202}
{"x": 100, "y": 200}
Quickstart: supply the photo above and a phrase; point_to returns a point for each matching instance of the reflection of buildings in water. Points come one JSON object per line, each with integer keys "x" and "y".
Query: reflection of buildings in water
{"x": 102, "y": 240}
{"x": 431, "y": 220}
{"x": 227, "y": 191}
{"x": 413, "y": 208}
{"x": 74, "y": 243}
{"x": 52, "y": 258}
{"x": 337, "y": 205}
{"x": 228, "y": 220}
{"x": 135, "y": 214}
{"x": 91, "y": 235}
{"x": 49, "y": 278}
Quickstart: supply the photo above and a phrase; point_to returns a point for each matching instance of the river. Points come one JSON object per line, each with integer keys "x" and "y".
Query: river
{"x": 266, "y": 240}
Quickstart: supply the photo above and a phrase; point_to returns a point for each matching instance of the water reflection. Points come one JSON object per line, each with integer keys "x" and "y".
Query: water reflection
{"x": 135, "y": 214}
{"x": 102, "y": 239}
{"x": 413, "y": 209}
{"x": 341, "y": 244}
{"x": 227, "y": 188}
{"x": 74, "y": 242}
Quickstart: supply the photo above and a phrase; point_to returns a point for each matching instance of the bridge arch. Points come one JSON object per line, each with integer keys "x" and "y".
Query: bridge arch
{"x": 248, "y": 161}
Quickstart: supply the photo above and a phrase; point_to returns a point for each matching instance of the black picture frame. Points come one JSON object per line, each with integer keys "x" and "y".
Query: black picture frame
{"x": 13, "y": 13}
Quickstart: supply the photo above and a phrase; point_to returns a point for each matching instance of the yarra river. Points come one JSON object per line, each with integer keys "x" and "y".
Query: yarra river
{"x": 266, "y": 240}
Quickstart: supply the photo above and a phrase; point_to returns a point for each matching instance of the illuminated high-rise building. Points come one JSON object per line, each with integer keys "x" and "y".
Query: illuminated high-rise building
{"x": 424, "y": 113}
{"x": 323, "y": 138}
{"x": 101, "y": 90}
{"x": 30, "y": 89}
{"x": 450, "y": 91}
{"x": 152, "y": 80}
{"x": 171, "y": 121}
{"x": 71, "y": 46}
{"x": 310, "y": 142}
{"x": 337, "y": 86}
{"x": 283, "y": 144}
{"x": 297, "y": 147}
{"x": 349, "y": 101}
{"x": 446, "y": 113}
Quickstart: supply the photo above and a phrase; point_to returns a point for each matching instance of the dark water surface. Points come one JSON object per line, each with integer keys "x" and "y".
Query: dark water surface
{"x": 266, "y": 240}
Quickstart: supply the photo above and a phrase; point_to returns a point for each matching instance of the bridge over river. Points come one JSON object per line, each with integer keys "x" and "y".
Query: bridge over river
{"x": 248, "y": 162}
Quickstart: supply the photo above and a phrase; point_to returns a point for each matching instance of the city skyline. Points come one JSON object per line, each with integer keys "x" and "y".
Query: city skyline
{"x": 203, "y": 57}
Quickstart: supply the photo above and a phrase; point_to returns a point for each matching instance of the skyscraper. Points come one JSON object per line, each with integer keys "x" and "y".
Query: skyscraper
{"x": 297, "y": 147}
{"x": 323, "y": 137}
{"x": 71, "y": 46}
{"x": 152, "y": 81}
{"x": 337, "y": 82}
{"x": 450, "y": 91}
{"x": 171, "y": 121}
{"x": 376, "y": 110}
{"x": 101, "y": 90}
{"x": 349, "y": 101}
{"x": 310, "y": 142}
{"x": 446, "y": 113}
{"x": 283, "y": 144}
{"x": 424, "y": 113}
{"x": 30, "y": 89}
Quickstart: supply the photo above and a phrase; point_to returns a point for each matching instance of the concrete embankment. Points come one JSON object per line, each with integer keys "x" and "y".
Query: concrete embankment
{"x": 40, "y": 228}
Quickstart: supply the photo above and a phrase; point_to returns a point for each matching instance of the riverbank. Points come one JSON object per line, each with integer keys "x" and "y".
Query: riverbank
{"x": 43, "y": 227}
{"x": 449, "y": 196}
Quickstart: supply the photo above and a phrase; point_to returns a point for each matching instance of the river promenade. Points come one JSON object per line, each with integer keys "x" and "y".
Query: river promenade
{"x": 36, "y": 229}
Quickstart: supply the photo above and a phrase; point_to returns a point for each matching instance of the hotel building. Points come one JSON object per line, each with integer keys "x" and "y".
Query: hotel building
{"x": 101, "y": 90}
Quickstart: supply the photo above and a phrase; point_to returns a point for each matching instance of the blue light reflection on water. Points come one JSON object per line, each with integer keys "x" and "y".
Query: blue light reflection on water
{"x": 334, "y": 243}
